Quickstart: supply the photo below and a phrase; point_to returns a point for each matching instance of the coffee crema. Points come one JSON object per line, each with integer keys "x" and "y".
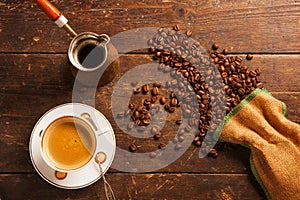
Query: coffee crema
{"x": 68, "y": 143}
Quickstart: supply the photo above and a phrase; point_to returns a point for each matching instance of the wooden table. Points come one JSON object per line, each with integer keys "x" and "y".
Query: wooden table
{"x": 35, "y": 76}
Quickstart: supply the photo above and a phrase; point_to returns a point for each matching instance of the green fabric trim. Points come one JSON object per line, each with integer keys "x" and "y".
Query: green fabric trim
{"x": 258, "y": 179}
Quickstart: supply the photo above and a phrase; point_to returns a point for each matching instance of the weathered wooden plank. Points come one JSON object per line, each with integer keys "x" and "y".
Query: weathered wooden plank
{"x": 138, "y": 186}
{"x": 48, "y": 73}
{"x": 242, "y": 26}
{"x": 22, "y": 105}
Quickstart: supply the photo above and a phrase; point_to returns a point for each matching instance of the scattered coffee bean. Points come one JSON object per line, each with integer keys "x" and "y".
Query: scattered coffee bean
{"x": 132, "y": 148}
{"x": 162, "y": 145}
{"x": 189, "y": 33}
{"x": 173, "y": 102}
{"x": 154, "y": 91}
{"x": 153, "y": 99}
{"x": 215, "y": 46}
{"x": 152, "y": 154}
{"x": 178, "y": 146}
{"x": 178, "y": 122}
{"x": 181, "y": 138}
{"x": 130, "y": 125}
{"x": 131, "y": 106}
{"x": 176, "y": 28}
{"x": 213, "y": 153}
{"x": 157, "y": 135}
{"x": 171, "y": 109}
{"x": 198, "y": 143}
{"x": 147, "y": 102}
{"x": 145, "y": 89}
{"x": 249, "y": 57}
{"x": 225, "y": 51}
{"x": 162, "y": 100}
{"x": 167, "y": 107}
{"x": 120, "y": 114}
{"x": 157, "y": 84}
{"x": 136, "y": 114}
{"x": 137, "y": 90}
{"x": 146, "y": 121}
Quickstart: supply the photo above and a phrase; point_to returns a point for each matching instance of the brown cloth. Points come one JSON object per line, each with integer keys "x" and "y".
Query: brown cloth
{"x": 258, "y": 122}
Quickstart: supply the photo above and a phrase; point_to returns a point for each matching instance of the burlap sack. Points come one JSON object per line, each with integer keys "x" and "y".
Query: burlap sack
{"x": 258, "y": 122}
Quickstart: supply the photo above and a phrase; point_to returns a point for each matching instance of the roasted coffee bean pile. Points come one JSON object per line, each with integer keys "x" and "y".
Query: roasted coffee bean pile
{"x": 178, "y": 55}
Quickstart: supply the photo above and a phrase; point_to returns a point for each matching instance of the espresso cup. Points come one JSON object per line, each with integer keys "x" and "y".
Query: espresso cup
{"x": 68, "y": 144}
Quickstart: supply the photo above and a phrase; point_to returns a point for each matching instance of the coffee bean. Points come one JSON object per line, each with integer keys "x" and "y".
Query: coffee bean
{"x": 137, "y": 122}
{"x": 131, "y": 106}
{"x": 173, "y": 102}
{"x": 152, "y": 154}
{"x": 146, "y": 121}
{"x": 215, "y": 46}
{"x": 162, "y": 100}
{"x": 120, "y": 114}
{"x": 139, "y": 108}
{"x": 225, "y": 51}
{"x": 157, "y": 84}
{"x": 130, "y": 125}
{"x": 189, "y": 33}
{"x": 137, "y": 90}
{"x": 145, "y": 89}
{"x": 133, "y": 148}
{"x": 167, "y": 107}
{"x": 241, "y": 91}
{"x": 181, "y": 138}
{"x": 178, "y": 122}
{"x": 178, "y": 146}
{"x": 147, "y": 102}
{"x": 162, "y": 145}
{"x": 259, "y": 85}
{"x": 252, "y": 74}
{"x": 136, "y": 114}
{"x": 157, "y": 135}
{"x": 249, "y": 57}
{"x": 213, "y": 153}
{"x": 153, "y": 99}
{"x": 154, "y": 91}
{"x": 198, "y": 143}
{"x": 171, "y": 110}
{"x": 176, "y": 28}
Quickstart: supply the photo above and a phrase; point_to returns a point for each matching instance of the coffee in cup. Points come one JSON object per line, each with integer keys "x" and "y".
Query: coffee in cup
{"x": 68, "y": 143}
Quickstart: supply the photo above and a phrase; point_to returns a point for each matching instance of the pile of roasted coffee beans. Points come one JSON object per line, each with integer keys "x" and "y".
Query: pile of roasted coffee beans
{"x": 183, "y": 58}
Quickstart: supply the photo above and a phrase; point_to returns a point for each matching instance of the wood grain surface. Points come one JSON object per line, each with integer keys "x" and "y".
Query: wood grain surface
{"x": 35, "y": 76}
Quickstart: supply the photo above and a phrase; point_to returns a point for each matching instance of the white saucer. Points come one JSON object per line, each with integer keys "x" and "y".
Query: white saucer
{"x": 105, "y": 143}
